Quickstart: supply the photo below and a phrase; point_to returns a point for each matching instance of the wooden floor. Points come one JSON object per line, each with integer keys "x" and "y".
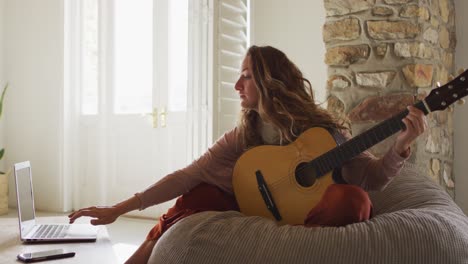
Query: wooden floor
{"x": 126, "y": 234}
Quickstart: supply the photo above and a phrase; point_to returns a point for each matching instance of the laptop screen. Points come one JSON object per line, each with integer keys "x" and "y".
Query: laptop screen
{"x": 25, "y": 193}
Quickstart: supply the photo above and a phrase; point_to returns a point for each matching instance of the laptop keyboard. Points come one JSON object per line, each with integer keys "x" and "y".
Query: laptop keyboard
{"x": 51, "y": 231}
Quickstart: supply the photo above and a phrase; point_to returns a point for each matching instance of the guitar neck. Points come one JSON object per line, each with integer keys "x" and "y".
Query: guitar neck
{"x": 353, "y": 147}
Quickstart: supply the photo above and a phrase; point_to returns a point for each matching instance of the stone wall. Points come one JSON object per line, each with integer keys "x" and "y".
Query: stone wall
{"x": 384, "y": 54}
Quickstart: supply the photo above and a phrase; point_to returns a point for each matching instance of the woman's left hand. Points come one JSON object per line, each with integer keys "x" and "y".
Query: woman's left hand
{"x": 416, "y": 124}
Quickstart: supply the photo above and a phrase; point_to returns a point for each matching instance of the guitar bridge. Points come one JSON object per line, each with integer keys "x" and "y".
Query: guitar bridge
{"x": 266, "y": 195}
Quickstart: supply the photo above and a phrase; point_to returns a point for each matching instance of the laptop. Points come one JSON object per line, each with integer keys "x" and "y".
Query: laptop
{"x": 30, "y": 231}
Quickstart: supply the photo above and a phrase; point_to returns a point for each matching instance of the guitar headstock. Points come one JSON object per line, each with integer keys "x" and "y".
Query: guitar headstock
{"x": 442, "y": 97}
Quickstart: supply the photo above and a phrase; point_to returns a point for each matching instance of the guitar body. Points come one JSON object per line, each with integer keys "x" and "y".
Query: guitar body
{"x": 278, "y": 166}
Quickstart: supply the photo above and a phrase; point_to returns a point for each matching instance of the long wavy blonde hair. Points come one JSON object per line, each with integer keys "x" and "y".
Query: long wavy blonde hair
{"x": 285, "y": 99}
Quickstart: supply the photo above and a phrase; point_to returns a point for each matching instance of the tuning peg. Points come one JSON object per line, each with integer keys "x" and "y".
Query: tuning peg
{"x": 461, "y": 70}
{"x": 461, "y": 101}
{"x": 451, "y": 77}
{"x": 439, "y": 84}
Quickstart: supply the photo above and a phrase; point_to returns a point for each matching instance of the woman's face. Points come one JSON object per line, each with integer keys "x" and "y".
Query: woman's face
{"x": 246, "y": 86}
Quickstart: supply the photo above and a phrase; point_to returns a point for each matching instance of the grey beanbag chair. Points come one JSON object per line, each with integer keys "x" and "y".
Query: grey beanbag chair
{"x": 415, "y": 221}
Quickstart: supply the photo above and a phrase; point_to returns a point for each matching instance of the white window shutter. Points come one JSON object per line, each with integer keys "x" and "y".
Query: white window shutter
{"x": 231, "y": 40}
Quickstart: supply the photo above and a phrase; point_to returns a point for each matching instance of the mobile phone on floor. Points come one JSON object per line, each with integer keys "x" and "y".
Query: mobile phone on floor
{"x": 45, "y": 255}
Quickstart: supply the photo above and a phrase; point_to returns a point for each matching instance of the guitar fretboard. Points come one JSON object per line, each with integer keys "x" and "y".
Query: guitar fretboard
{"x": 353, "y": 147}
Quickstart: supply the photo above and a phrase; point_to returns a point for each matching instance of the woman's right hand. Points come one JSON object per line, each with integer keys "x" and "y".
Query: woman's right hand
{"x": 102, "y": 215}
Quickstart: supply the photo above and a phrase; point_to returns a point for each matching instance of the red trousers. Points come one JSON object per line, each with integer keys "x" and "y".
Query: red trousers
{"x": 341, "y": 204}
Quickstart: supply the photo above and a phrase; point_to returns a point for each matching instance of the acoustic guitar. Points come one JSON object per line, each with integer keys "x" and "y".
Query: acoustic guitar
{"x": 284, "y": 183}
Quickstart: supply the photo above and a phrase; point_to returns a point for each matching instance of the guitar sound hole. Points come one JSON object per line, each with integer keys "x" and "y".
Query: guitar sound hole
{"x": 305, "y": 175}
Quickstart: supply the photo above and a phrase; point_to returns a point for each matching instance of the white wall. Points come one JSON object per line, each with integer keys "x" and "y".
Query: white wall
{"x": 461, "y": 112}
{"x": 2, "y": 75}
{"x": 296, "y": 29}
{"x": 34, "y": 68}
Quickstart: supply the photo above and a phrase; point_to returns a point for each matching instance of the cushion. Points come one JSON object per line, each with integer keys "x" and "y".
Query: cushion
{"x": 415, "y": 221}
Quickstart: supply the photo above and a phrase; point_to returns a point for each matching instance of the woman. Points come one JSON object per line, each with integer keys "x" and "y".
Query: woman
{"x": 277, "y": 106}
